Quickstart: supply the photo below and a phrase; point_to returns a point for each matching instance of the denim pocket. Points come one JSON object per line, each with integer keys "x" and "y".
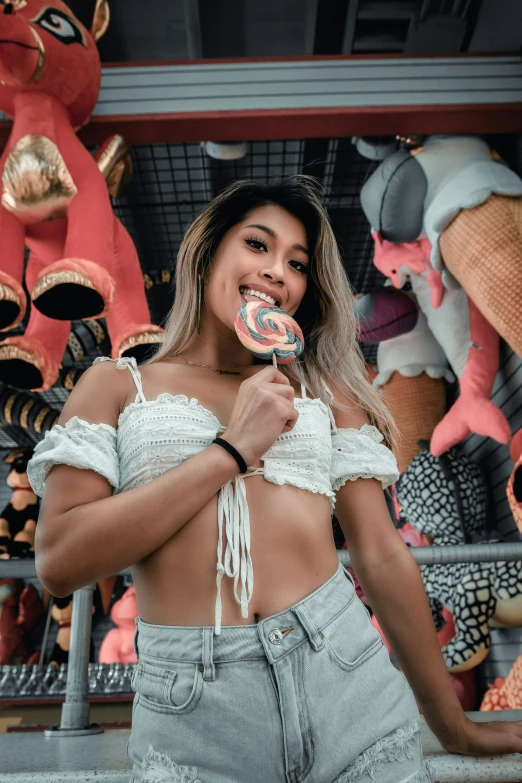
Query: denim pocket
{"x": 350, "y": 638}
{"x": 172, "y": 691}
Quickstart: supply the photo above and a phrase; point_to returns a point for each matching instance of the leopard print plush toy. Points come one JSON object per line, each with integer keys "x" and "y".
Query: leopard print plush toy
{"x": 445, "y": 499}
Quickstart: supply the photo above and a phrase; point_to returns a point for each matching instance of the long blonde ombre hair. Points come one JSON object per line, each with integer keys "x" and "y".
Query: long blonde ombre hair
{"x": 325, "y": 315}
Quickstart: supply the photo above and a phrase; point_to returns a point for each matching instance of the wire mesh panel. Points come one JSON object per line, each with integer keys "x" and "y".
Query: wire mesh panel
{"x": 173, "y": 182}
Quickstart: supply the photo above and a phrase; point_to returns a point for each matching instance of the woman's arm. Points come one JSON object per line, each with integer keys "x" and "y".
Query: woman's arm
{"x": 84, "y": 532}
{"x": 392, "y": 582}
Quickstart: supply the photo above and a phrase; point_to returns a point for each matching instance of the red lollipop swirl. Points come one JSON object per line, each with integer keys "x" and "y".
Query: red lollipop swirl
{"x": 269, "y": 332}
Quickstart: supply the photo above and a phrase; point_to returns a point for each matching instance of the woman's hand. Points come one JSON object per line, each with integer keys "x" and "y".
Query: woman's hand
{"x": 264, "y": 408}
{"x": 493, "y": 738}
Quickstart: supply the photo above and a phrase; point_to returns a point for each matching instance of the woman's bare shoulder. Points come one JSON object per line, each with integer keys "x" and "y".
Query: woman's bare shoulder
{"x": 348, "y": 411}
{"x": 98, "y": 395}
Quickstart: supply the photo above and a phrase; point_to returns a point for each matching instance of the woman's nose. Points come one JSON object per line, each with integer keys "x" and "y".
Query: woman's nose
{"x": 275, "y": 278}
{"x": 275, "y": 272}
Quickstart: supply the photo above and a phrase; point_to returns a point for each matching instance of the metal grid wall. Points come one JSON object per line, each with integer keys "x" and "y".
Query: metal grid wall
{"x": 171, "y": 184}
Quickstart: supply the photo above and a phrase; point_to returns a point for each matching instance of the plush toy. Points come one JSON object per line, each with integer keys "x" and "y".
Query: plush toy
{"x": 82, "y": 263}
{"x": 411, "y": 354}
{"x": 49, "y": 83}
{"x": 411, "y": 366}
{"x": 506, "y": 692}
{"x": 61, "y": 612}
{"x": 417, "y": 404}
{"x": 117, "y": 646}
{"x": 20, "y": 610}
{"x": 384, "y": 314}
{"x": 469, "y": 342}
{"x": 469, "y": 207}
{"x": 32, "y": 361}
{"x": 514, "y": 487}
{"x": 445, "y": 499}
{"x": 18, "y": 519}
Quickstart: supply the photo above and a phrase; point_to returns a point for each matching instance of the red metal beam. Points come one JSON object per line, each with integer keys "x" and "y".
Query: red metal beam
{"x": 301, "y": 123}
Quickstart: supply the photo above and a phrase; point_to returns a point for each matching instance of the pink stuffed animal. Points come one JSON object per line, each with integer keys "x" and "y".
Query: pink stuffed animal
{"x": 117, "y": 647}
{"x": 468, "y": 340}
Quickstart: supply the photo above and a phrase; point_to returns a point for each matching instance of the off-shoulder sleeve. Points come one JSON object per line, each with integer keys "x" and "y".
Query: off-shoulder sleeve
{"x": 361, "y": 454}
{"x": 79, "y": 444}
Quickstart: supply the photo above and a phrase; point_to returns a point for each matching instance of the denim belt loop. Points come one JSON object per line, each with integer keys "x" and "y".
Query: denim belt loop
{"x": 309, "y": 626}
{"x": 207, "y": 654}
{"x": 135, "y": 639}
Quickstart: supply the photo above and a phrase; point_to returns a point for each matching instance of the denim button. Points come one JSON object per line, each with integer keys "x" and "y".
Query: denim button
{"x": 275, "y": 636}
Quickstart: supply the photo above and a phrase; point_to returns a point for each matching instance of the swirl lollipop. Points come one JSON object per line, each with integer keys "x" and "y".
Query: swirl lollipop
{"x": 269, "y": 332}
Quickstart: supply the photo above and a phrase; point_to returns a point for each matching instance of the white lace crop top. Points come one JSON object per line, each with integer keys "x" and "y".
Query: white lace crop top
{"x": 154, "y": 436}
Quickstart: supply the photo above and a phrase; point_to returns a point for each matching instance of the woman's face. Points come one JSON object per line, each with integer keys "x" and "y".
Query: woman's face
{"x": 264, "y": 255}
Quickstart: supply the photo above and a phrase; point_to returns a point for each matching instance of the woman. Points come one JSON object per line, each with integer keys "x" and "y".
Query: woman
{"x": 269, "y": 669}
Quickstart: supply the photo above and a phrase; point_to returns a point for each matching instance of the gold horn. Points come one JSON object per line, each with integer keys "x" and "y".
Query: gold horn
{"x": 101, "y": 19}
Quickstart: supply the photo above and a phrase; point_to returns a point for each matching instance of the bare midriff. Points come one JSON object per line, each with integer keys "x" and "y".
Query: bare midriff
{"x": 292, "y": 545}
{"x": 292, "y": 550}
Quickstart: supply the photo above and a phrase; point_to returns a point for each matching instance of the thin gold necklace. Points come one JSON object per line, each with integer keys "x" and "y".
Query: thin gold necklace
{"x": 220, "y": 372}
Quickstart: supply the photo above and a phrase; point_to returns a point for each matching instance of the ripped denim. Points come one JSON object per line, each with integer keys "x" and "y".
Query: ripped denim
{"x": 308, "y": 694}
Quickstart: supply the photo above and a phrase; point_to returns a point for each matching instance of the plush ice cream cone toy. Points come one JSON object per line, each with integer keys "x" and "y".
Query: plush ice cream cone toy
{"x": 482, "y": 247}
{"x": 417, "y": 405}
{"x": 468, "y": 340}
{"x": 454, "y": 192}
{"x": 505, "y": 693}
{"x": 411, "y": 367}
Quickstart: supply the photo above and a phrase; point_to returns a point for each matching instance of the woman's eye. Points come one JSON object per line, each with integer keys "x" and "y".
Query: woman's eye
{"x": 300, "y": 267}
{"x": 256, "y": 242}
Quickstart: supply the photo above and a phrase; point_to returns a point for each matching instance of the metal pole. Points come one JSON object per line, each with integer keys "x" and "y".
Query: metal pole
{"x": 75, "y": 709}
{"x": 484, "y": 552}
{"x": 463, "y": 553}
{"x": 46, "y": 633}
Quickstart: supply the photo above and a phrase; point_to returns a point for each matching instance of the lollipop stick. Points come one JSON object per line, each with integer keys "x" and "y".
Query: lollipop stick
{"x": 274, "y": 360}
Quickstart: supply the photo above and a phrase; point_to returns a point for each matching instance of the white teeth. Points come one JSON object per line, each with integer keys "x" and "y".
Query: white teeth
{"x": 260, "y": 295}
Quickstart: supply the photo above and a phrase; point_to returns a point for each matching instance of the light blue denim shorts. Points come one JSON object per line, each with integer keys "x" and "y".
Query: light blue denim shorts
{"x": 308, "y": 694}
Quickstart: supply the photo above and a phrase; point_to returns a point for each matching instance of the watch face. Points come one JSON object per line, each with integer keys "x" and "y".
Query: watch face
{"x": 63, "y": 27}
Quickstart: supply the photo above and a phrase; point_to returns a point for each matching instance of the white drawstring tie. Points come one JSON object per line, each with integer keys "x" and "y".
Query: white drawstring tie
{"x": 233, "y": 513}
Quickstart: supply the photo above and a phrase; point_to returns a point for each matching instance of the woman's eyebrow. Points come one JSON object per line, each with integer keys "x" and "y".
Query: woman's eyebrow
{"x": 272, "y": 233}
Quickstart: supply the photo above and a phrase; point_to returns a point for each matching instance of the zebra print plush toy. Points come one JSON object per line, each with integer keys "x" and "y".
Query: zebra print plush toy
{"x": 445, "y": 499}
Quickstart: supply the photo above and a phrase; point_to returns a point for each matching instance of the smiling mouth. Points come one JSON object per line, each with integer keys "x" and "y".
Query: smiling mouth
{"x": 258, "y": 296}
